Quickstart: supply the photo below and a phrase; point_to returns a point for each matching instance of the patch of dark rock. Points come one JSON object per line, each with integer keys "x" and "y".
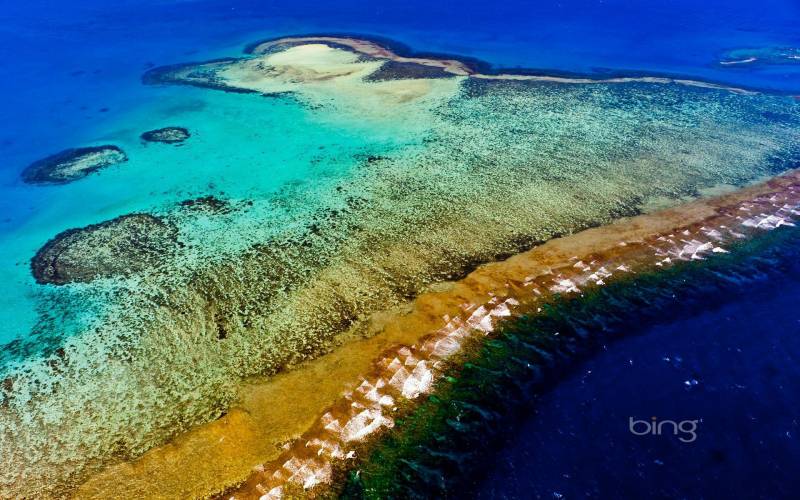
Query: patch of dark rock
{"x": 210, "y": 204}
{"x": 355, "y": 202}
{"x": 167, "y": 135}
{"x": 375, "y": 159}
{"x": 222, "y": 333}
{"x": 119, "y": 247}
{"x": 6, "y": 388}
{"x": 72, "y": 164}
{"x": 370, "y": 159}
{"x": 393, "y": 70}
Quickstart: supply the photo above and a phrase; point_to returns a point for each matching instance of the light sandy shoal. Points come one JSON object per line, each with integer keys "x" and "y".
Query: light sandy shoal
{"x": 371, "y": 49}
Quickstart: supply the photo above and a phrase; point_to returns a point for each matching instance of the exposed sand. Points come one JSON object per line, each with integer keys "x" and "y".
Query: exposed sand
{"x": 317, "y": 68}
{"x": 320, "y": 74}
{"x": 740, "y": 61}
{"x": 316, "y": 400}
{"x": 371, "y": 49}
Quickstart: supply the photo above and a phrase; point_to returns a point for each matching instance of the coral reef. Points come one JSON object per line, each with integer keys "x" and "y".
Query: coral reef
{"x": 168, "y": 135}
{"x": 208, "y": 204}
{"x": 119, "y": 247}
{"x": 72, "y": 164}
{"x": 393, "y": 70}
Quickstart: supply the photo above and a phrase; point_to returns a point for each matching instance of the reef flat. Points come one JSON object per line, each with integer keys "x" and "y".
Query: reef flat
{"x": 478, "y": 169}
{"x": 402, "y": 66}
{"x": 72, "y": 164}
{"x": 189, "y": 74}
{"x": 355, "y": 391}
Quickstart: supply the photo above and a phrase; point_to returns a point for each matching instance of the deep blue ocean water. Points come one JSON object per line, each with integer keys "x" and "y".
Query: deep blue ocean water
{"x": 733, "y": 369}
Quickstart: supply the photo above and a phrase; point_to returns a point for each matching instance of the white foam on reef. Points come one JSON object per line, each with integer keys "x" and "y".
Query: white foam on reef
{"x": 740, "y": 61}
{"x": 405, "y": 373}
{"x": 643, "y": 79}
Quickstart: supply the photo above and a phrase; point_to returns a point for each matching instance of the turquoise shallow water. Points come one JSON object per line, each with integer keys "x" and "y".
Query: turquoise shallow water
{"x": 242, "y": 147}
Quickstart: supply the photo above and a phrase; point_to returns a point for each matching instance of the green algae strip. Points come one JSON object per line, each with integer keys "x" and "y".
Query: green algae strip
{"x": 452, "y": 173}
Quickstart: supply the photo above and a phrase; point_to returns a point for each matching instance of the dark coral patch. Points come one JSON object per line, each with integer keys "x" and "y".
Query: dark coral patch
{"x": 72, "y": 164}
{"x": 168, "y": 135}
{"x": 118, "y": 247}
{"x": 393, "y": 70}
{"x": 209, "y": 203}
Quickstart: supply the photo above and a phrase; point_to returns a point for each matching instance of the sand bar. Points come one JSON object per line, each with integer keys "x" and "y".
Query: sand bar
{"x": 460, "y": 68}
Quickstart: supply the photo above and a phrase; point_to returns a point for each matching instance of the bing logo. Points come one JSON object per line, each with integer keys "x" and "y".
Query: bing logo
{"x": 685, "y": 429}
